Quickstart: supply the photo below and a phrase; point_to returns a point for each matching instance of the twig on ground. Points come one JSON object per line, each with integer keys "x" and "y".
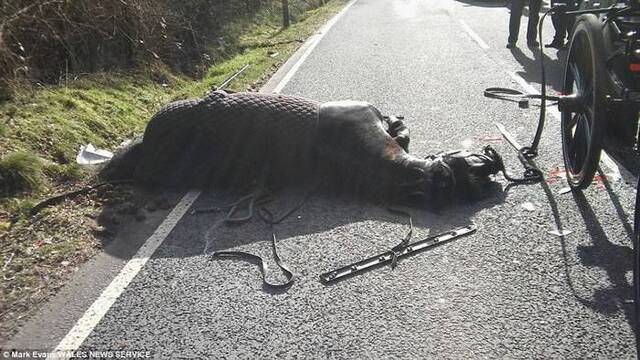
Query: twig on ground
{"x": 6, "y": 264}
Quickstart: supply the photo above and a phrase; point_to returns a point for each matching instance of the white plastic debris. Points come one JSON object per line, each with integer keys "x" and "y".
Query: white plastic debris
{"x": 89, "y": 155}
{"x": 559, "y": 232}
{"x": 528, "y": 206}
{"x": 125, "y": 142}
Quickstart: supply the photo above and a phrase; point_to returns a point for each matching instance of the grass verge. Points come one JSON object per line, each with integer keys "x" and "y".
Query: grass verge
{"x": 42, "y": 128}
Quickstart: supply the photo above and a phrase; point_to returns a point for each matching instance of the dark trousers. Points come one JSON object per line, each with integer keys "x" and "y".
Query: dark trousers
{"x": 562, "y": 23}
{"x": 516, "y": 14}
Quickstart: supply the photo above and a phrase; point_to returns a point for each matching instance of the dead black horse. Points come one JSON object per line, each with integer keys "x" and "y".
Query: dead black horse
{"x": 249, "y": 140}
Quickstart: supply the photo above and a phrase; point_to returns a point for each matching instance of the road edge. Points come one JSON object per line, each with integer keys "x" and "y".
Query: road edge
{"x": 283, "y": 75}
{"x": 119, "y": 277}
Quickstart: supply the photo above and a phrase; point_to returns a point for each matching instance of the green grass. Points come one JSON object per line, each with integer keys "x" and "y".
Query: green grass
{"x": 20, "y": 172}
{"x": 105, "y": 109}
{"x": 20, "y": 207}
{"x": 41, "y": 130}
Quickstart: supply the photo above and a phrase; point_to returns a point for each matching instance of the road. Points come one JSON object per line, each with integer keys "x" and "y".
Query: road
{"x": 511, "y": 290}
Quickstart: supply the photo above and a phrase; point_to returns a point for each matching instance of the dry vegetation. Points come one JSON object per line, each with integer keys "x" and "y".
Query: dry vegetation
{"x": 45, "y": 40}
{"x": 79, "y": 71}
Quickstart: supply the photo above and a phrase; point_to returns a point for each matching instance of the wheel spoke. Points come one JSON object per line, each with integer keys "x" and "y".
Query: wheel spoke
{"x": 577, "y": 79}
{"x": 572, "y": 122}
{"x": 580, "y": 142}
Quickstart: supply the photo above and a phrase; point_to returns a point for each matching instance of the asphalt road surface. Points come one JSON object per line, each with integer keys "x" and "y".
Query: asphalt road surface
{"x": 511, "y": 290}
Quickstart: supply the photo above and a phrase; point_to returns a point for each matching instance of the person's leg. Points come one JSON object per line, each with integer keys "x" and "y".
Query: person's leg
{"x": 534, "y": 17}
{"x": 562, "y": 23}
{"x": 568, "y": 21}
{"x": 514, "y": 20}
{"x": 558, "y": 21}
{"x": 559, "y": 25}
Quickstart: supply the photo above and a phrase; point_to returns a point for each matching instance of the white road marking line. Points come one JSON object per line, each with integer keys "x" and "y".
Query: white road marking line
{"x": 522, "y": 82}
{"x": 315, "y": 40}
{"x": 614, "y": 173}
{"x": 85, "y": 325}
{"x": 605, "y": 160}
{"x": 474, "y": 35}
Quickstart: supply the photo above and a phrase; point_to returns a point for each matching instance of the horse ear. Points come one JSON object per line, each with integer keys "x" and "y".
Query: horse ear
{"x": 398, "y": 131}
{"x": 403, "y": 142}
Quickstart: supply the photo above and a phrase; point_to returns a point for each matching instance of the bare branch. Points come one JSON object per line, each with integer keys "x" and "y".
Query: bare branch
{"x": 23, "y": 11}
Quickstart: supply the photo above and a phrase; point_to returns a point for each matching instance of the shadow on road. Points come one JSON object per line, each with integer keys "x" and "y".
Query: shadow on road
{"x": 616, "y": 260}
{"x": 554, "y": 69}
{"x": 621, "y": 149}
{"x": 322, "y": 213}
{"x": 205, "y": 233}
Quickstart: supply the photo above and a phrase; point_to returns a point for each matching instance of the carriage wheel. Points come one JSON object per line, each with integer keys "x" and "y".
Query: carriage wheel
{"x": 583, "y": 109}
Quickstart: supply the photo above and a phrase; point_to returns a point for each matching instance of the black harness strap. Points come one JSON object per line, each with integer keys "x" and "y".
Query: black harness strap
{"x": 252, "y": 201}
{"x": 396, "y": 250}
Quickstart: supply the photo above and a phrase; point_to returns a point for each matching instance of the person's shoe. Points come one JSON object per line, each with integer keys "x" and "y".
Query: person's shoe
{"x": 511, "y": 45}
{"x": 533, "y": 43}
{"x": 556, "y": 44}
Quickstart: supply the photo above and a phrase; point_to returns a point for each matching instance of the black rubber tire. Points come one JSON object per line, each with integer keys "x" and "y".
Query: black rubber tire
{"x": 585, "y": 75}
